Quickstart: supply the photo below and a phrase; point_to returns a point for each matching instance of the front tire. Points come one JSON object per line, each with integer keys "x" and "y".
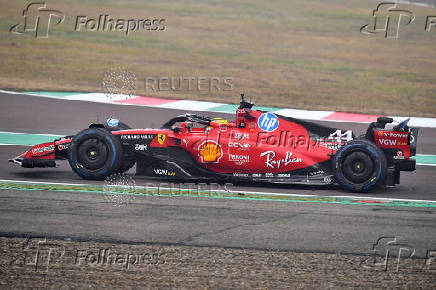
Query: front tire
{"x": 360, "y": 166}
{"x": 128, "y": 160}
{"x": 95, "y": 154}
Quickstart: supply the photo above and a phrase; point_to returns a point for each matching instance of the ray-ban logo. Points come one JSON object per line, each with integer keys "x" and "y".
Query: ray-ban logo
{"x": 38, "y": 19}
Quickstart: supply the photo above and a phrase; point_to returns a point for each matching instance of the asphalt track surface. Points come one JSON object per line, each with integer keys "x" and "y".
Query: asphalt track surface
{"x": 305, "y": 227}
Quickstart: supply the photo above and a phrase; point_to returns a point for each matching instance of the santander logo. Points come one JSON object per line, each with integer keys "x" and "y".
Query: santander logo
{"x": 40, "y": 150}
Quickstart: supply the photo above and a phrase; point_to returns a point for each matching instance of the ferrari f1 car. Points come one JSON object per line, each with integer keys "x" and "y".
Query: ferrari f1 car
{"x": 258, "y": 146}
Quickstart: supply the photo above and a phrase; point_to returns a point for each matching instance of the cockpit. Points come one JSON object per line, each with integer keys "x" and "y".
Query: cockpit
{"x": 198, "y": 123}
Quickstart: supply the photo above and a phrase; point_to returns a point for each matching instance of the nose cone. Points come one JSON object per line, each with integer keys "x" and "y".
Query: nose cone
{"x": 19, "y": 159}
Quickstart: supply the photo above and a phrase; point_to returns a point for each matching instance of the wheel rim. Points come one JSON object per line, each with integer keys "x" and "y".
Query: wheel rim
{"x": 92, "y": 154}
{"x": 358, "y": 167}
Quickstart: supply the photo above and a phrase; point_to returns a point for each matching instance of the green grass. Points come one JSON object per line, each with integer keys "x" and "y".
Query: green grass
{"x": 299, "y": 54}
{"x": 122, "y": 195}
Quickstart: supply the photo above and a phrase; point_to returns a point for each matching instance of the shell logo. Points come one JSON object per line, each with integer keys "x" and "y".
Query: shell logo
{"x": 380, "y": 133}
{"x": 210, "y": 151}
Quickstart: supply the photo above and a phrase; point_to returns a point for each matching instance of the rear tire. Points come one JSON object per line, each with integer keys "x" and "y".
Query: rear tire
{"x": 360, "y": 166}
{"x": 95, "y": 154}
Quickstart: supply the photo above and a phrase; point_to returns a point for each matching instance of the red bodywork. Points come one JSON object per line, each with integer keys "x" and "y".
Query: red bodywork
{"x": 393, "y": 140}
{"x": 257, "y": 145}
{"x": 225, "y": 148}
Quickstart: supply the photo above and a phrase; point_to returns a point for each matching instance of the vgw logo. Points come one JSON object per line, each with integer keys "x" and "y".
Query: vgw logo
{"x": 38, "y": 19}
{"x": 388, "y": 19}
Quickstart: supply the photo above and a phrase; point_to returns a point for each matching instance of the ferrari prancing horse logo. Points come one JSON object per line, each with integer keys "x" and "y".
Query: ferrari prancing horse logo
{"x": 161, "y": 138}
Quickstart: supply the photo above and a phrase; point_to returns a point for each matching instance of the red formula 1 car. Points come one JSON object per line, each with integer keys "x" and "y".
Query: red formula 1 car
{"x": 258, "y": 146}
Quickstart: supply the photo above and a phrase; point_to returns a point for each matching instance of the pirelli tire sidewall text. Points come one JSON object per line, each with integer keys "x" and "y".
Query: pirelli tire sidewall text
{"x": 128, "y": 160}
{"x": 360, "y": 166}
{"x": 95, "y": 154}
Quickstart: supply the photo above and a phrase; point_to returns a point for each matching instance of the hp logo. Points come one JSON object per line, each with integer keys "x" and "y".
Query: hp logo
{"x": 268, "y": 122}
